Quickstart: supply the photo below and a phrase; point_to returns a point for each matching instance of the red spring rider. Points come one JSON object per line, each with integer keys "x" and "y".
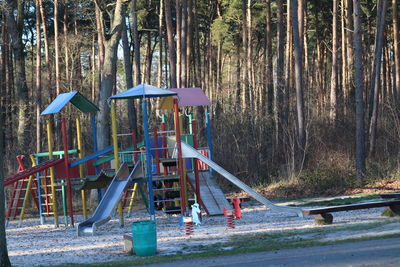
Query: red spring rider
{"x": 236, "y": 209}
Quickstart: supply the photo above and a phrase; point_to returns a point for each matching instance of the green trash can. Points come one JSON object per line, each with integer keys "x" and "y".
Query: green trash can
{"x": 144, "y": 238}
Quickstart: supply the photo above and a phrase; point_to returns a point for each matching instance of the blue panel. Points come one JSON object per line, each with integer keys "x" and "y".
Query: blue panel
{"x": 142, "y": 91}
{"x": 58, "y": 103}
{"x": 75, "y": 98}
{"x": 92, "y": 156}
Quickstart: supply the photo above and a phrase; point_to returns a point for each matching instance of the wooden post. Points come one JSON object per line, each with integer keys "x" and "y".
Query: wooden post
{"x": 81, "y": 167}
{"x": 180, "y": 160}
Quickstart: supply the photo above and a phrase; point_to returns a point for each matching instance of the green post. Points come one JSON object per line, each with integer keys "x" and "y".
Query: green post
{"x": 190, "y": 123}
{"x": 64, "y": 201}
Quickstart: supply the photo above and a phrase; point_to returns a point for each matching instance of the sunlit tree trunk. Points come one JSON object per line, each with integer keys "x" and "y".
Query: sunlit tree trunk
{"x": 66, "y": 49}
{"x": 56, "y": 47}
{"x": 268, "y": 58}
{"x": 183, "y": 52}
{"x": 117, "y": 17}
{"x": 160, "y": 44}
{"x": 178, "y": 34}
{"x": 189, "y": 44}
{"x": 49, "y": 72}
{"x": 38, "y": 78}
{"x": 334, "y": 71}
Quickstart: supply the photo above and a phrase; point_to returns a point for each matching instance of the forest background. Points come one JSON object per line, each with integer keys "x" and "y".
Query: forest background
{"x": 304, "y": 93}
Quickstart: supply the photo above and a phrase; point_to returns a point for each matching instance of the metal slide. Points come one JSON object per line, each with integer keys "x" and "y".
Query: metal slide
{"x": 110, "y": 200}
{"x": 190, "y": 152}
{"x": 211, "y": 194}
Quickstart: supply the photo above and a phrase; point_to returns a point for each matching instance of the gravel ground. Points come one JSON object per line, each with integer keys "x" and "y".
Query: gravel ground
{"x": 33, "y": 244}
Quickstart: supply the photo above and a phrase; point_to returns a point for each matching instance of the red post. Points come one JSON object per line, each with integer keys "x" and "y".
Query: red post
{"x": 66, "y": 164}
{"x": 155, "y": 136}
{"x": 134, "y": 143}
{"x": 180, "y": 161}
{"x": 195, "y": 167}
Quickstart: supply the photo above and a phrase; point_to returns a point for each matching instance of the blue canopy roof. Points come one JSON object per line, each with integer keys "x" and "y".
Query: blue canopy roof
{"x": 143, "y": 91}
{"x": 75, "y": 98}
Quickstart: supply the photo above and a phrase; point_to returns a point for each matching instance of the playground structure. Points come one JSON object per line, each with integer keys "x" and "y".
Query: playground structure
{"x": 51, "y": 176}
{"x": 162, "y": 167}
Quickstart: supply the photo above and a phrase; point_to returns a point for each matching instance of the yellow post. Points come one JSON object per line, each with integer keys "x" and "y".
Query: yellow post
{"x": 27, "y": 192}
{"x": 81, "y": 167}
{"x": 132, "y": 198}
{"x": 52, "y": 173}
{"x": 116, "y": 156}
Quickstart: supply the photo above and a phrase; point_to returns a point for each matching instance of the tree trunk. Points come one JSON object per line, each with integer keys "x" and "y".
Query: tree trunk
{"x": 298, "y": 66}
{"x": 249, "y": 55}
{"x": 38, "y": 78}
{"x": 171, "y": 44}
{"x": 396, "y": 49}
{"x": 334, "y": 72}
{"x": 245, "y": 73}
{"x": 288, "y": 70}
{"x": 359, "y": 92}
{"x": 56, "y": 47}
{"x": 280, "y": 86}
{"x": 128, "y": 78}
{"x": 189, "y": 44}
{"x": 350, "y": 41}
{"x": 160, "y": 45}
{"x": 183, "y": 47}
{"x": 345, "y": 86}
{"x": 15, "y": 28}
{"x": 4, "y": 260}
{"x": 376, "y": 74}
{"x": 268, "y": 58}
{"x": 178, "y": 34}
{"x": 68, "y": 79}
{"x": 109, "y": 68}
{"x": 48, "y": 69}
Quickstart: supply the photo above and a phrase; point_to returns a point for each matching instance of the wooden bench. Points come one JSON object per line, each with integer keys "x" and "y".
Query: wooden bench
{"x": 324, "y": 216}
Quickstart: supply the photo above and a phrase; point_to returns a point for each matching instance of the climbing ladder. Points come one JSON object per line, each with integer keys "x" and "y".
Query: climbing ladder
{"x": 21, "y": 190}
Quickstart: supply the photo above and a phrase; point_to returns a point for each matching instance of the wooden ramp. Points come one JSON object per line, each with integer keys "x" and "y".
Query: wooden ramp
{"x": 211, "y": 194}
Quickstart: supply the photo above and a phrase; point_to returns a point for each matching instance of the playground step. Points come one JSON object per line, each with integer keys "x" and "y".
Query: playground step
{"x": 169, "y": 162}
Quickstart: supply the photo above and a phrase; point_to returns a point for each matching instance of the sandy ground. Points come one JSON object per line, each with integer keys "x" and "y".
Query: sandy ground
{"x": 33, "y": 244}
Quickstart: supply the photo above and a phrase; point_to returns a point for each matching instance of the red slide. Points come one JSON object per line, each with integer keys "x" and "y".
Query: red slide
{"x": 27, "y": 172}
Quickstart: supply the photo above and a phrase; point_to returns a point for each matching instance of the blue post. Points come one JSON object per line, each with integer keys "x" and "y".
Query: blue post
{"x": 42, "y": 219}
{"x": 95, "y": 149}
{"x": 148, "y": 159}
{"x": 209, "y": 140}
